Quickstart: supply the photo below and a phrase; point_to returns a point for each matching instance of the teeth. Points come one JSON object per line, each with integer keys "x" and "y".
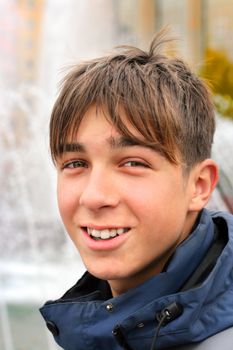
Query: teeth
{"x": 113, "y": 233}
{"x": 106, "y": 233}
{"x": 120, "y": 231}
{"x": 96, "y": 233}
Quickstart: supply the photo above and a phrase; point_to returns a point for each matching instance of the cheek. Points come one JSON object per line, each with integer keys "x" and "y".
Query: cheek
{"x": 156, "y": 203}
{"x": 66, "y": 199}
{"x": 147, "y": 195}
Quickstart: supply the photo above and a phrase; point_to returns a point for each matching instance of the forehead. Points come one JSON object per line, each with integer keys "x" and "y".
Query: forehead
{"x": 98, "y": 122}
{"x": 97, "y": 127}
{"x": 97, "y": 130}
{"x": 113, "y": 119}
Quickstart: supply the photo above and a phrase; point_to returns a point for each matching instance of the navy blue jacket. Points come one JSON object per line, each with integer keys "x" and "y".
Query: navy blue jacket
{"x": 198, "y": 281}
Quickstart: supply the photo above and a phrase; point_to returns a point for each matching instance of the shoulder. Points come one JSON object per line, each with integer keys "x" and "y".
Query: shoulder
{"x": 222, "y": 340}
{"x": 226, "y": 216}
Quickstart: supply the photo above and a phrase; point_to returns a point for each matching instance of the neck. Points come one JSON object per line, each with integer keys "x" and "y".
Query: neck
{"x": 122, "y": 285}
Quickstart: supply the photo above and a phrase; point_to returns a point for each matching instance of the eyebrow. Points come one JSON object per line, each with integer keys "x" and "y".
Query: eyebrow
{"x": 114, "y": 142}
{"x": 71, "y": 147}
{"x": 124, "y": 141}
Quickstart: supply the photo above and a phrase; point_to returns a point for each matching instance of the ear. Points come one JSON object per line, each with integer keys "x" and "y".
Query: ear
{"x": 204, "y": 178}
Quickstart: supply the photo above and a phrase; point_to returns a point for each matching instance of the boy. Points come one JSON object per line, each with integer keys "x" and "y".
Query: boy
{"x": 131, "y": 135}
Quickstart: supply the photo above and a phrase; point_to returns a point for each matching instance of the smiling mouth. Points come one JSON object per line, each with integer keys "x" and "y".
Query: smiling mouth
{"x": 105, "y": 234}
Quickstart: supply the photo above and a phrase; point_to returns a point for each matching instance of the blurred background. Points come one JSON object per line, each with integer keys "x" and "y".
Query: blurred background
{"x": 38, "y": 39}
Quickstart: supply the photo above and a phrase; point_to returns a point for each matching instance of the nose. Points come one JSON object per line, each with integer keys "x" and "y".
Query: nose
{"x": 99, "y": 191}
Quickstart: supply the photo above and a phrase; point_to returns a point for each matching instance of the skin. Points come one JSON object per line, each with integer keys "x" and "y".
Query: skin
{"x": 106, "y": 183}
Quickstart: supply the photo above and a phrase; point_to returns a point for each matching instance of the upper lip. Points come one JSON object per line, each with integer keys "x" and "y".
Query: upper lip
{"x": 105, "y": 227}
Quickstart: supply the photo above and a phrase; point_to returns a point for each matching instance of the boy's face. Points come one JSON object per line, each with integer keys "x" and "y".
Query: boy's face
{"x": 130, "y": 197}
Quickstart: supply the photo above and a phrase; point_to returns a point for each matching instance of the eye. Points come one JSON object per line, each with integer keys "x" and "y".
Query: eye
{"x": 75, "y": 164}
{"x": 135, "y": 163}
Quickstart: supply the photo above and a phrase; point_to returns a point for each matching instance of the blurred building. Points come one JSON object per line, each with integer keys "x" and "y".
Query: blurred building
{"x": 29, "y": 38}
{"x": 220, "y": 25}
{"x": 197, "y": 23}
{"x": 20, "y": 37}
{"x": 8, "y": 41}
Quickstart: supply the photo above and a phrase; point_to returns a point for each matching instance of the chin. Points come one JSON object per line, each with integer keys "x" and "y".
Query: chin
{"x": 104, "y": 273}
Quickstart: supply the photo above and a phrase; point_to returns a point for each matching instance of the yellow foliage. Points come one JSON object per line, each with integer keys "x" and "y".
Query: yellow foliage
{"x": 218, "y": 71}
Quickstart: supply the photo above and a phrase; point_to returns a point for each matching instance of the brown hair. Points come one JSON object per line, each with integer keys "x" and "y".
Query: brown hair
{"x": 163, "y": 100}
